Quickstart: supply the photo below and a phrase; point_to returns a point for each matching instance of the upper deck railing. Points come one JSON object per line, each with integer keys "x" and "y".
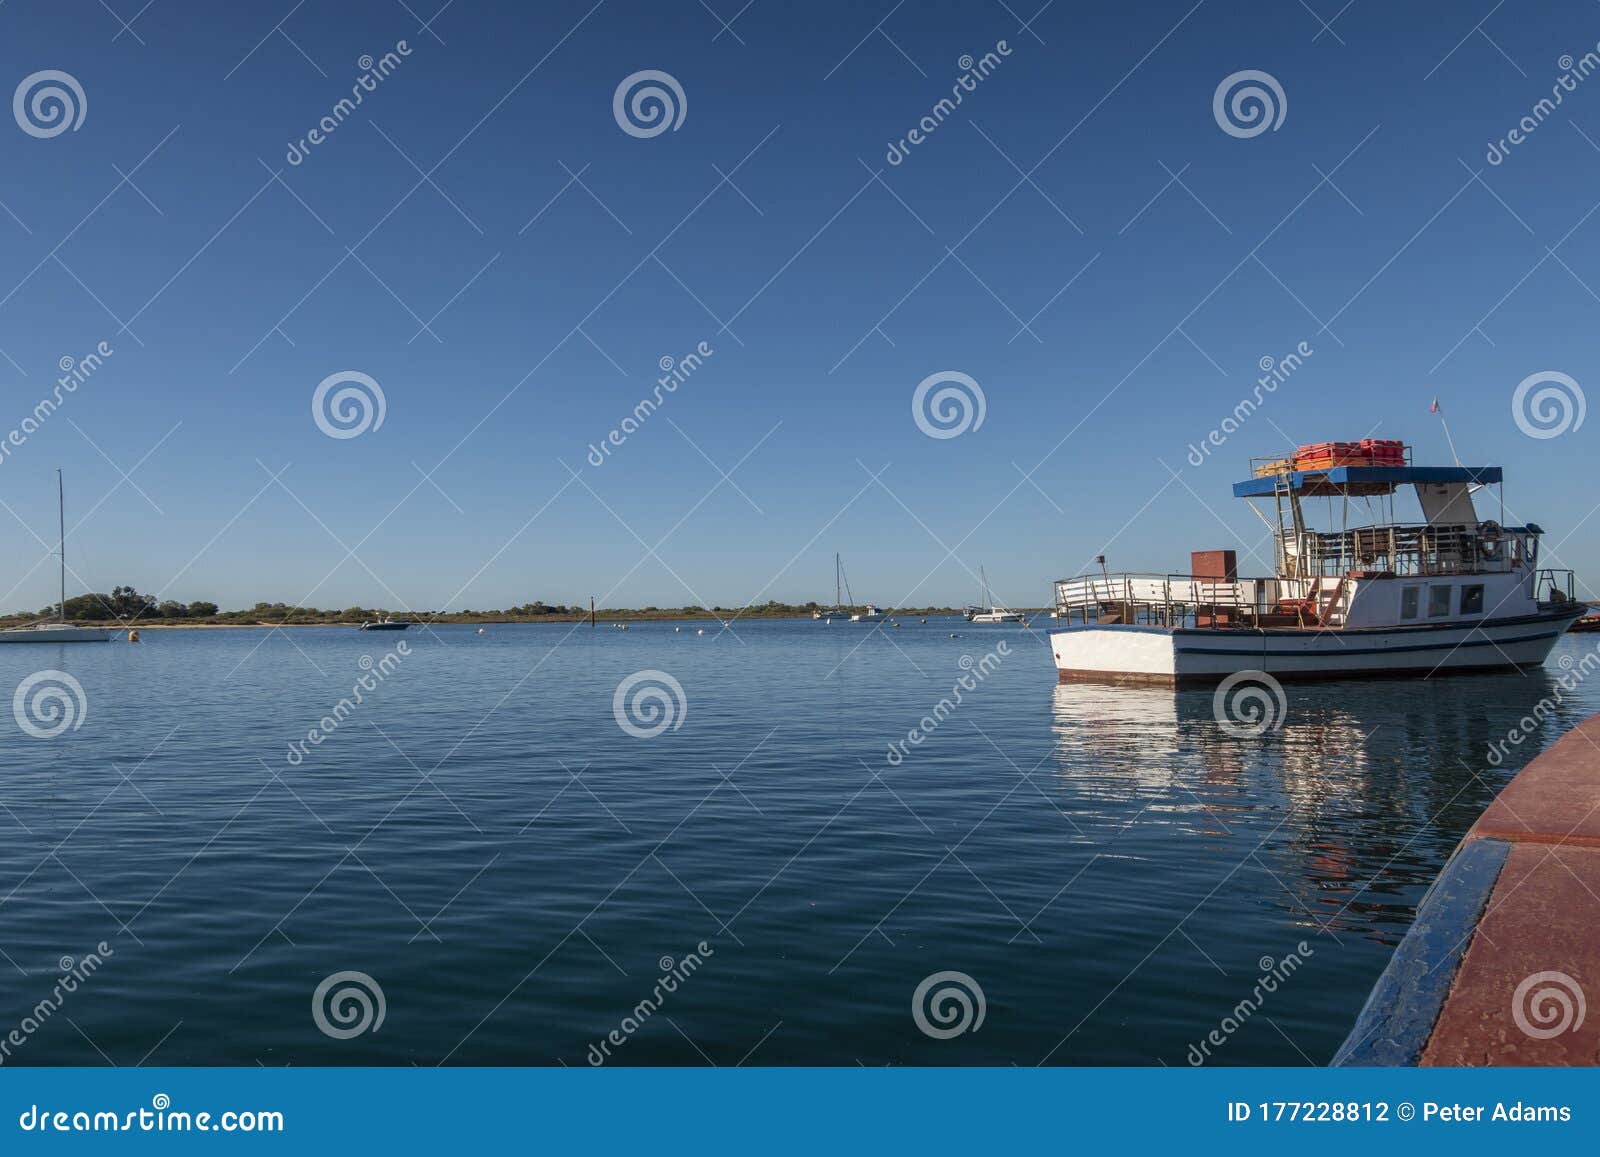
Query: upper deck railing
{"x": 1169, "y": 600}
{"x": 1417, "y": 549}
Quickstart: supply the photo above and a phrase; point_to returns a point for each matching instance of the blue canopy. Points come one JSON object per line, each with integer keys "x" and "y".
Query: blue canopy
{"x": 1371, "y": 479}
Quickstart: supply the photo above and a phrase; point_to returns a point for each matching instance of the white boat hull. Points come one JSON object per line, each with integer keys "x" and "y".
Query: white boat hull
{"x": 56, "y": 635}
{"x": 1165, "y": 656}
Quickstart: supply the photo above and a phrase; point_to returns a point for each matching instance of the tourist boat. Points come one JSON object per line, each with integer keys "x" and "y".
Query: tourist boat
{"x": 987, "y": 611}
{"x": 57, "y": 630}
{"x": 387, "y": 623}
{"x": 1453, "y": 592}
{"x": 840, "y": 586}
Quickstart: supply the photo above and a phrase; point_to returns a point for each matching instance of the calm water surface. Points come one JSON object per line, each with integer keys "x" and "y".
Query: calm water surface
{"x": 483, "y": 839}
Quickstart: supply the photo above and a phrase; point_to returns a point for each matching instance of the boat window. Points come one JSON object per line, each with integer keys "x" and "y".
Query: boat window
{"x": 1408, "y": 601}
{"x": 1438, "y": 601}
{"x": 1472, "y": 599}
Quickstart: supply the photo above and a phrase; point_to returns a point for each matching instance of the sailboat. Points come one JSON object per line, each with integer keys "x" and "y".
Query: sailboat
{"x": 988, "y": 612}
{"x": 57, "y": 630}
{"x": 840, "y": 588}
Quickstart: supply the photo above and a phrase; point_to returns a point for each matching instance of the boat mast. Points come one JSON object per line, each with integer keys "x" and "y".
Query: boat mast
{"x": 61, "y": 515}
{"x": 838, "y": 581}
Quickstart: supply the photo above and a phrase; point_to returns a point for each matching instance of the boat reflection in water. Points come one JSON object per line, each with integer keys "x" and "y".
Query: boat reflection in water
{"x": 1339, "y": 811}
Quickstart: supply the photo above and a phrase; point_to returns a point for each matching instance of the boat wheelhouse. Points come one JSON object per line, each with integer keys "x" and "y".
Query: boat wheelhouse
{"x": 1375, "y": 596}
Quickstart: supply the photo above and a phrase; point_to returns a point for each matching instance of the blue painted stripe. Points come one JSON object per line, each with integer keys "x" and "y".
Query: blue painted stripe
{"x": 1562, "y": 617}
{"x": 1252, "y": 652}
{"x": 1399, "y": 1016}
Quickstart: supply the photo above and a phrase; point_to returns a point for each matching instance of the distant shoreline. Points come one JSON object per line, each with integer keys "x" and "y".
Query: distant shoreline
{"x": 424, "y": 620}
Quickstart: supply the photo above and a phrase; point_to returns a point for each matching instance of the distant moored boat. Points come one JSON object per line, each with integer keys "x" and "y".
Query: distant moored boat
{"x": 988, "y": 611}
{"x": 385, "y": 624}
{"x": 840, "y": 588}
{"x": 59, "y": 631}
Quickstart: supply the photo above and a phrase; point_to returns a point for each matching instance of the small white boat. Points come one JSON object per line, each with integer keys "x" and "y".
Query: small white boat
{"x": 58, "y": 631}
{"x": 996, "y": 615}
{"x": 1451, "y": 593}
{"x": 869, "y": 614}
{"x": 988, "y": 612}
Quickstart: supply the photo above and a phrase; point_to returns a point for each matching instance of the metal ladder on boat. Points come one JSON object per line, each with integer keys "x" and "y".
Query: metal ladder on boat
{"x": 1291, "y": 526}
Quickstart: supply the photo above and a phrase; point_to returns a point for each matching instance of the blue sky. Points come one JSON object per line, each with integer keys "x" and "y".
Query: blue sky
{"x": 1155, "y": 258}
